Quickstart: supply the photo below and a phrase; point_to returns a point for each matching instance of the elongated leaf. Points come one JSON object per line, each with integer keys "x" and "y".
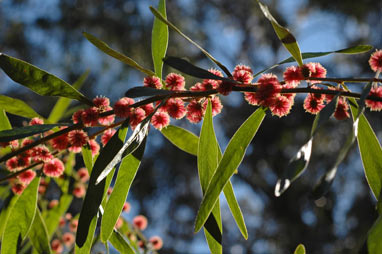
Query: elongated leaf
{"x": 125, "y": 177}
{"x": 7, "y": 207}
{"x": 26, "y": 131}
{"x": 172, "y": 26}
{"x": 86, "y": 247}
{"x": 300, "y": 249}
{"x": 17, "y": 107}
{"x": 285, "y": 36}
{"x": 117, "y": 55}
{"x": 306, "y": 55}
{"x": 182, "y": 138}
{"x": 231, "y": 160}
{"x": 4, "y": 121}
{"x": 95, "y": 192}
{"x": 87, "y": 157}
{"x": 52, "y": 216}
{"x": 20, "y": 218}
{"x": 62, "y": 103}
{"x": 39, "y": 235}
{"x": 207, "y": 164}
{"x": 39, "y": 81}
{"x": 159, "y": 40}
{"x": 120, "y": 243}
{"x": 142, "y": 91}
{"x": 374, "y": 243}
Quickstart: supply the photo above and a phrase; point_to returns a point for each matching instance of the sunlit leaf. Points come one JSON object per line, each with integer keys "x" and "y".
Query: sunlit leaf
{"x": 374, "y": 243}
{"x": 231, "y": 160}
{"x": 39, "y": 235}
{"x": 87, "y": 157}
{"x": 87, "y": 245}
{"x": 120, "y": 243}
{"x": 300, "y": 249}
{"x": 117, "y": 55}
{"x": 182, "y": 138}
{"x": 26, "y": 131}
{"x": 52, "y": 216}
{"x": 7, "y": 207}
{"x": 20, "y": 218}
{"x": 172, "y": 26}
{"x": 285, "y": 36}
{"x": 39, "y": 81}
{"x": 142, "y": 91}
{"x": 62, "y": 103}
{"x": 159, "y": 40}
{"x": 4, "y": 121}
{"x": 17, "y": 107}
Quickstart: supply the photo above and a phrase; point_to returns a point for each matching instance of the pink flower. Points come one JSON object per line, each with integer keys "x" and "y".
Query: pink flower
{"x": 148, "y": 108}
{"x": 136, "y": 116}
{"x": 375, "y": 61}
{"x": 375, "y": 105}
{"x": 56, "y": 246}
{"x": 281, "y": 106}
{"x": 153, "y": 82}
{"x": 225, "y": 88}
{"x": 268, "y": 89}
{"x": 160, "y": 120}
{"x": 122, "y": 107}
{"x": 53, "y": 168}
{"x": 77, "y": 139}
{"x": 242, "y": 73}
{"x": 106, "y": 136}
{"x": 313, "y": 70}
{"x": 126, "y": 207}
{"x": 68, "y": 239}
{"x": 61, "y": 142}
{"x": 216, "y": 105}
{"x": 41, "y": 153}
{"x": 76, "y": 117}
{"x": 12, "y": 164}
{"x": 36, "y": 121}
{"x": 175, "y": 82}
{"x": 73, "y": 225}
{"x": 175, "y": 108}
{"x": 197, "y": 87}
{"x": 89, "y": 116}
{"x": 342, "y": 109}
{"x": 293, "y": 76}
{"x": 62, "y": 222}
{"x": 79, "y": 191}
{"x": 242, "y": 67}
{"x": 18, "y": 162}
{"x": 94, "y": 146}
{"x": 27, "y": 176}
{"x": 106, "y": 120}
{"x": 83, "y": 175}
{"x": 195, "y": 111}
{"x": 119, "y": 223}
{"x": 251, "y": 98}
{"x": 18, "y": 187}
{"x": 312, "y": 105}
{"x": 101, "y": 102}
{"x": 53, "y": 203}
{"x": 208, "y": 84}
{"x": 156, "y": 242}
{"x": 140, "y": 222}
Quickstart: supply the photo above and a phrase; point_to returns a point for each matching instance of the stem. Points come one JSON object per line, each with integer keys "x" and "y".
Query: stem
{"x": 340, "y": 80}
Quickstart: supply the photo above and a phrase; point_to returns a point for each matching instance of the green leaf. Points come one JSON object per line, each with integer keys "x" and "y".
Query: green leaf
{"x": 207, "y": 164}
{"x": 39, "y": 235}
{"x": 4, "y": 121}
{"x": 374, "y": 243}
{"x": 20, "y": 218}
{"x": 52, "y": 216}
{"x": 352, "y": 50}
{"x": 231, "y": 160}
{"x": 87, "y": 157}
{"x": 117, "y": 55}
{"x": 126, "y": 174}
{"x": 182, "y": 138}
{"x": 26, "y": 131}
{"x": 39, "y": 81}
{"x": 17, "y": 107}
{"x": 142, "y": 91}
{"x": 172, "y": 26}
{"x": 62, "y": 103}
{"x": 300, "y": 249}
{"x": 285, "y": 36}
{"x": 159, "y": 40}
{"x": 87, "y": 245}
{"x": 120, "y": 243}
{"x": 95, "y": 192}
{"x": 8, "y": 205}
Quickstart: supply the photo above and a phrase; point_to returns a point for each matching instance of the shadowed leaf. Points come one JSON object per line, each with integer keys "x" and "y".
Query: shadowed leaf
{"x": 39, "y": 235}
{"x": 374, "y": 243}
{"x": 300, "y": 249}
{"x": 26, "y": 131}
{"x": 120, "y": 243}
{"x": 143, "y": 91}
{"x": 159, "y": 40}
{"x": 17, "y": 107}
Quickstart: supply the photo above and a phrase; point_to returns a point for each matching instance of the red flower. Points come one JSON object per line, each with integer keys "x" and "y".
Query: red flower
{"x": 195, "y": 111}
{"x": 41, "y": 153}
{"x": 160, "y": 120}
{"x": 106, "y": 136}
{"x": 36, "y": 121}
{"x": 251, "y": 98}
{"x": 175, "y": 82}
{"x": 242, "y": 73}
{"x": 89, "y": 116}
{"x": 122, "y": 107}
{"x": 106, "y": 120}
{"x": 101, "y": 102}
{"x": 375, "y": 105}
{"x": 242, "y": 67}
{"x": 136, "y": 116}
{"x": 156, "y": 242}
{"x": 79, "y": 191}
{"x": 175, "y": 108}
{"x": 126, "y": 207}
{"x": 94, "y": 146}
{"x": 53, "y": 168}
{"x": 73, "y": 225}
{"x": 76, "y": 117}
{"x": 342, "y": 109}
{"x": 68, "y": 239}
{"x": 27, "y": 176}
{"x": 153, "y": 82}
{"x": 375, "y": 61}
{"x": 77, "y": 139}
{"x": 57, "y": 246}
{"x": 225, "y": 88}
{"x": 83, "y": 175}
{"x": 148, "y": 108}
{"x": 119, "y": 223}
{"x": 197, "y": 87}
{"x": 268, "y": 89}
{"x": 313, "y": 70}
{"x": 216, "y": 105}
{"x": 208, "y": 84}
{"x": 53, "y": 203}
{"x": 61, "y": 142}
{"x": 140, "y": 222}
{"x": 18, "y": 187}
{"x": 281, "y": 106}
{"x": 18, "y": 162}
{"x": 293, "y": 76}
{"x": 312, "y": 105}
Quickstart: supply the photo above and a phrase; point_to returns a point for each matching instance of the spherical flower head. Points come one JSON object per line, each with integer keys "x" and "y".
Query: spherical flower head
{"x": 53, "y": 203}
{"x": 73, "y": 225}
{"x": 27, "y": 176}
{"x": 375, "y": 105}
{"x": 56, "y": 246}
{"x": 12, "y": 164}
{"x": 313, "y": 70}
{"x": 175, "y": 82}
{"x": 109, "y": 190}
{"x": 119, "y": 223}
{"x": 14, "y": 144}
{"x": 106, "y": 120}
{"x": 243, "y": 76}
{"x": 140, "y": 222}
{"x": 61, "y": 222}
{"x": 290, "y": 96}
{"x": 77, "y": 139}
{"x": 268, "y": 89}
{"x": 76, "y": 117}
{"x": 94, "y": 147}
{"x": 242, "y": 67}
{"x": 375, "y": 61}
{"x": 136, "y": 116}
{"x": 160, "y": 120}
{"x": 68, "y": 239}
{"x": 61, "y": 142}
{"x": 148, "y": 108}
{"x": 209, "y": 84}
{"x": 153, "y": 82}
{"x": 312, "y": 105}
{"x": 293, "y": 76}
{"x": 251, "y": 98}
{"x": 342, "y": 109}
{"x": 126, "y": 207}
{"x": 101, "y": 102}
{"x": 225, "y": 88}
{"x": 175, "y": 108}
{"x": 68, "y": 216}
{"x": 83, "y": 175}
{"x": 17, "y": 187}
{"x": 198, "y": 87}
{"x": 156, "y": 242}
{"x": 122, "y": 107}
{"x": 90, "y": 116}
{"x": 79, "y": 191}
{"x": 36, "y": 121}
{"x": 281, "y": 106}
{"x": 106, "y": 136}
{"x": 26, "y": 142}
{"x": 41, "y": 153}
{"x": 53, "y": 168}
{"x": 216, "y": 105}
{"x": 216, "y": 72}
{"x": 195, "y": 111}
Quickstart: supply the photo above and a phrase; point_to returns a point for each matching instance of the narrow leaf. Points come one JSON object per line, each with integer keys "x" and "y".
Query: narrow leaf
{"x": 182, "y": 138}
{"x": 159, "y": 40}
{"x": 6, "y": 209}
{"x": 142, "y": 91}
{"x": 26, "y": 131}
{"x": 87, "y": 157}
{"x": 4, "y": 121}
{"x": 120, "y": 243}
{"x": 300, "y": 249}
{"x": 231, "y": 160}
{"x": 172, "y": 26}
{"x": 39, "y": 81}
{"x": 374, "y": 243}
{"x": 117, "y": 55}
{"x": 62, "y": 103}
{"x": 285, "y": 36}
{"x": 125, "y": 177}
{"x": 17, "y": 107}
{"x": 52, "y": 216}
{"x": 39, "y": 235}
{"x": 87, "y": 245}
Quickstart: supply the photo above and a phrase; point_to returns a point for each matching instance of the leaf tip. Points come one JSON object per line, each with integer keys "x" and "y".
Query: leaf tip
{"x": 281, "y": 186}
